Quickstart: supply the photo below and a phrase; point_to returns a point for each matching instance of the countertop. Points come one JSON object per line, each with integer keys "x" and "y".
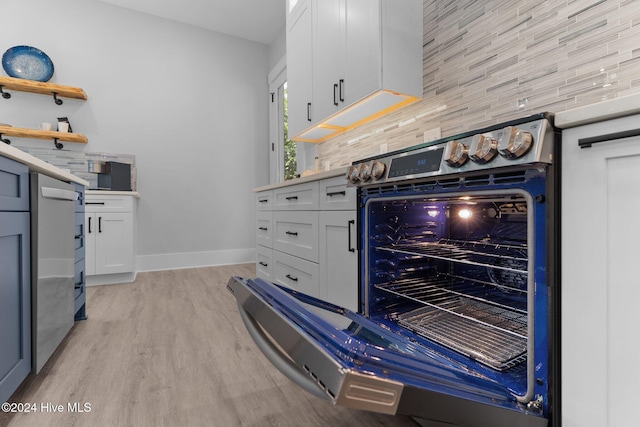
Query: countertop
{"x": 605, "y": 110}
{"x": 315, "y": 177}
{"x": 36, "y": 165}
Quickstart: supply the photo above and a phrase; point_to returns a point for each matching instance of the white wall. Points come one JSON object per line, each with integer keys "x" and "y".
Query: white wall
{"x": 190, "y": 104}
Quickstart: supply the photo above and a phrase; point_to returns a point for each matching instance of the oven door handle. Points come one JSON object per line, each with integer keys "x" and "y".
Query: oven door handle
{"x": 277, "y": 358}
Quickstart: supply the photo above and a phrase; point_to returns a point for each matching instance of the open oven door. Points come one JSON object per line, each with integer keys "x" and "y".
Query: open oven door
{"x": 346, "y": 358}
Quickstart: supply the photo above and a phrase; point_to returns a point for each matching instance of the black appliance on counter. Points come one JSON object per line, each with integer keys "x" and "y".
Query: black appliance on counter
{"x": 459, "y": 306}
{"x": 115, "y": 176}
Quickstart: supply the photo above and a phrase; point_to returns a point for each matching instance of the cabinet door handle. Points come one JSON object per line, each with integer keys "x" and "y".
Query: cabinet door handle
{"x": 263, "y": 228}
{"x": 349, "y": 223}
{"x": 341, "y": 90}
{"x": 264, "y": 264}
{"x": 308, "y": 111}
{"x": 292, "y": 198}
{"x": 99, "y": 224}
{"x": 337, "y": 193}
{"x": 587, "y": 142}
{"x": 291, "y": 233}
{"x": 335, "y": 94}
{"x": 288, "y": 276}
{"x": 89, "y": 225}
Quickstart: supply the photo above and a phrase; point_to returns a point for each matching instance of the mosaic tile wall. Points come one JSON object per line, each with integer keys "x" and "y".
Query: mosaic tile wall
{"x": 488, "y": 61}
{"x": 79, "y": 162}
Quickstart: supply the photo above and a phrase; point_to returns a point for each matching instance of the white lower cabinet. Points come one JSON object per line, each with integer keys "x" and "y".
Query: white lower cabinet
{"x": 264, "y": 263}
{"x": 110, "y": 237}
{"x": 338, "y": 258}
{"x": 306, "y": 239}
{"x": 296, "y": 273}
{"x": 600, "y": 292}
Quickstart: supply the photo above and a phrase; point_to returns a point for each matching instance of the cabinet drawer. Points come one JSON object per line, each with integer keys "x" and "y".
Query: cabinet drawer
{"x": 264, "y": 263}
{"x": 264, "y": 228}
{"x": 80, "y": 236}
{"x": 14, "y": 185}
{"x": 334, "y": 195}
{"x": 108, "y": 203}
{"x": 296, "y": 273}
{"x": 79, "y": 197}
{"x": 296, "y": 233}
{"x": 297, "y": 197}
{"x": 80, "y": 279}
{"x": 264, "y": 200}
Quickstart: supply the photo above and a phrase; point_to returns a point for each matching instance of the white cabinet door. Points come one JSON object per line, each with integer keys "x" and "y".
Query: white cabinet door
{"x": 328, "y": 55}
{"x": 600, "y": 285}
{"x": 338, "y": 258}
{"x": 299, "y": 68}
{"x": 109, "y": 243}
{"x": 346, "y": 53}
{"x": 363, "y": 50}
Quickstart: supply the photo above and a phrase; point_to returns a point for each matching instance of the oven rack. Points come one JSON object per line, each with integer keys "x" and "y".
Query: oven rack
{"x": 466, "y": 298}
{"x": 487, "y": 345}
{"x": 494, "y": 255}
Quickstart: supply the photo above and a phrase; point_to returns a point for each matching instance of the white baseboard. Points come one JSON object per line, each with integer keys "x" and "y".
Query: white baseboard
{"x": 177, "y": 261}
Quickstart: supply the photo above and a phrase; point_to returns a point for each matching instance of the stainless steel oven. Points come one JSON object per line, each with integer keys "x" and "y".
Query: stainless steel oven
{"x": 457, "y": 320}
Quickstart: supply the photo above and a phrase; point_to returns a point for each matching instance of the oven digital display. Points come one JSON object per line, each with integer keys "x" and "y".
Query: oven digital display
{"x": 424, "y": 162}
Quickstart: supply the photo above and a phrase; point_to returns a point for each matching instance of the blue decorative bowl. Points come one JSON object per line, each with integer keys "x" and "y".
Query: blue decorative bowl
{"x": 27, "y": 62}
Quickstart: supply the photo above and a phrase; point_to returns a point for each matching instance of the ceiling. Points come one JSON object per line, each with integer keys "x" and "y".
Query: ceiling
{"x": 255, "y": 20}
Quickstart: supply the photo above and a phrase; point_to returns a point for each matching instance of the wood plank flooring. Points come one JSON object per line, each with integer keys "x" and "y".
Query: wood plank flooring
{"x": 170, "y": 350}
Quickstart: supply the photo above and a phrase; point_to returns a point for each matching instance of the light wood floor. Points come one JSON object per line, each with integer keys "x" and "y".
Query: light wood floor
{"x": 170, "y": 350}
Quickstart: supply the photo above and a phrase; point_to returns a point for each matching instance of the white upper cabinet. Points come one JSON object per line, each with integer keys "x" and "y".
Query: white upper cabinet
{"x": 299, "y": 72}
{"x": 366, "y": 60}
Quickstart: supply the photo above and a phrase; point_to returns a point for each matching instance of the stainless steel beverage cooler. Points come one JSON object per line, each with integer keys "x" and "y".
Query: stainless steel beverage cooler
{"x": 458, "y": 314}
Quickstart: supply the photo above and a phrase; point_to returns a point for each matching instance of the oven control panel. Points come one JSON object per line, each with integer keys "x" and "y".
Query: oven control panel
{"x": 520, "y": 142}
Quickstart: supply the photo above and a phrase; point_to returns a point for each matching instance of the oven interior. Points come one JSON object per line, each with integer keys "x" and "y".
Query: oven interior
{"x": 456, "y": 272}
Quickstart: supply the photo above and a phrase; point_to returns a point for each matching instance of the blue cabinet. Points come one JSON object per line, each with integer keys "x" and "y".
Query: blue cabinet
{"x": 80, "y": 242}
{"x": 15, "y": 277}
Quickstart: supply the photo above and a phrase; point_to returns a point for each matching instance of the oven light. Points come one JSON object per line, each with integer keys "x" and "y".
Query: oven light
{"x": 465, "y": 213}
{"x": 433, "y": 213}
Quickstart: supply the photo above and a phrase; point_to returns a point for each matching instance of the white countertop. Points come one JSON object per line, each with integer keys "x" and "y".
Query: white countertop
{"x": 605, "y": 110}
{"x": 314, "y": 177}
{"x": 36, "y": 165}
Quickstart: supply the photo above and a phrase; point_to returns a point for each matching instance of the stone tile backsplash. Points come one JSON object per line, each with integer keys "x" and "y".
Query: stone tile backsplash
{"x": 77, "y": 162}
{"x": 488, "y": 61}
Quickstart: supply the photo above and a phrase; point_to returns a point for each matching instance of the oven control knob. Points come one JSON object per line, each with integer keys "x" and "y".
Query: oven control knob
{"x": 365, "y": 172}
{"x": 483, "y": 149}
{"x": 378, "y": 169}
{"x": 456, "y": 154}
{"x": 352, "y": 174}
{"x": 514, "y": 143}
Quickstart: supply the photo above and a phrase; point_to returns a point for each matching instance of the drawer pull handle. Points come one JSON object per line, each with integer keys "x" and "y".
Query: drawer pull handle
{"x": 263, "y": 228}
{"x": 288, "y": 276}
{"x": 588, "y": 142}
{"x": 337, "y": 193}
{"x": 94, "y": 203}
{"x": 291, "y": 233}
{"x": 292, "y": 198}
{"x": 263, "y": 201}
{"x": 351, "y": 249}
{"x": 264, "y": 264}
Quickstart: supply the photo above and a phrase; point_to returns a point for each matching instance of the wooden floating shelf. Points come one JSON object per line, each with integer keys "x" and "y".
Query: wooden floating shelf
{"x": 42, "y": 88}
{"x": 43, "y": 134}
